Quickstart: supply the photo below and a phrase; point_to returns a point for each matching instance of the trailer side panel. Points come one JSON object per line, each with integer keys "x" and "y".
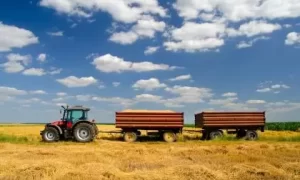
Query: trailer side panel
{"x": 149, "y": 120}
{"x": 230, "y": 119}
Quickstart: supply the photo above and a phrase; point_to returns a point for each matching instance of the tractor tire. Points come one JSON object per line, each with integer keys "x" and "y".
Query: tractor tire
{"x": 215, "y": 134}
{"x": 130, "y": 136}
{"x": 50, "y": 134}
{"x": 169, "y": 136}
{"x": 251, "y": 135}
{"x": 84, "y": 132}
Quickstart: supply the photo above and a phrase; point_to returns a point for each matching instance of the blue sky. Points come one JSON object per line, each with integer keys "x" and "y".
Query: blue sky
{"x": 185, "y": 55}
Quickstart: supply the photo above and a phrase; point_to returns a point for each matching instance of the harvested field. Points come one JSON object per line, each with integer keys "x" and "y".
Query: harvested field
{"x": 271, "y": 157}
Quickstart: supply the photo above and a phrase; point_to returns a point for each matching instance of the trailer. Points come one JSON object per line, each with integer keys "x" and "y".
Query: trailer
{"x": 243, "y": 124}
{"x": 166, "y": 124}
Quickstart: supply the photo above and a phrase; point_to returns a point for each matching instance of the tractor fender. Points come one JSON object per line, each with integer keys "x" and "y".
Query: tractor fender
{"x": 78, "y": 122}
{"x": 56, "y": 127}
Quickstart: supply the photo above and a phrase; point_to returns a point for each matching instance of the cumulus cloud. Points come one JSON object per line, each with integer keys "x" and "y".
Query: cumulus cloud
{"x": 148, "y": 98}
{"x": 238, "y": 10}
{"x": 73, "y": 81}
{"x": 181, "y": 77}
{"x": 15, "y": 37}
{"x": 108, "y": 63}
{"x": 57, "y": 33}
{"x": 144, "y": 28}
{"x": 42, "y": 57}
{"x": 244, "y": 44}
{"x": 61, "y": 94}
{"x": 9, "y": 93}
{"x": 148, "y": 84}
{"x": 193, "y": 37}
{"x": 256, "y": 102}
{"x": 273, "y": 88}
{"x": 54, "y": 71}
{"x": 15, "y": 63}
{"x": 151, "y": 50}
{"x": 292, "y": 38}
{"x": 229, "y": 94}
{"x": 254, "y": 28}
{"x": 38, "y": 92}
{"x": 123, "y": 11}
{"x": 34, "y": 72}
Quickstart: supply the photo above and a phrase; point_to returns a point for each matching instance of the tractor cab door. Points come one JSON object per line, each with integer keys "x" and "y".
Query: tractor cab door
{"x": 73, "y": 116}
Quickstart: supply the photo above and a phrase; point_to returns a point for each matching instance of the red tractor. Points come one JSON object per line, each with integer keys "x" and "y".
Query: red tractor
{"x": 73, "y": 125}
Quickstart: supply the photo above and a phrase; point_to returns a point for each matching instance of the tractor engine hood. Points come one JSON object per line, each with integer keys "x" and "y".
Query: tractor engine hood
{"x": 57, "y": 123}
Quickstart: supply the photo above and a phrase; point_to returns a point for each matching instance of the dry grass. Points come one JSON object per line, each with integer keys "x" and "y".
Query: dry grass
{"x": 111, "y": 159}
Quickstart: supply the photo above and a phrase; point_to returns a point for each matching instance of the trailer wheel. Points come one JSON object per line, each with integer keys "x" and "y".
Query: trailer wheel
{"x": 130, "y": 136}
{"x": 169, "y": 136}
{"x": 241, "y": 133}
{"x": 251, "y": 135}
{"x": 215, "y": 134}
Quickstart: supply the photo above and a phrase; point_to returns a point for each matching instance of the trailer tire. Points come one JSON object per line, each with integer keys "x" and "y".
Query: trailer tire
{"x": 215, "y": 134}
{"x": 241, "y": 133}
{"x": 130, "y": 136}
{"x": 50, "y": 134}
{"x": 84, "y": 132}
{"x": 251, "y": 135}
{"x": 169, "y": 136}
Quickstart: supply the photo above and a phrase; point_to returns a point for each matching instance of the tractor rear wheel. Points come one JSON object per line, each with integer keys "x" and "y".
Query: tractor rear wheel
{"x": 84, "y": 132}
{"x": 50, "y": 134}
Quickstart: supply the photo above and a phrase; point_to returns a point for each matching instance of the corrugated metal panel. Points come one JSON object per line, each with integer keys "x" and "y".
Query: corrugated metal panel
{"x": 229, "y": 119}
{"x": 149, "y": 120}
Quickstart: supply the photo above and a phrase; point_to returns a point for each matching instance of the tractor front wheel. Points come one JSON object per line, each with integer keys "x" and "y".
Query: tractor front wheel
{"x": 50, "y": 134}
{"x": 84, "y": 132}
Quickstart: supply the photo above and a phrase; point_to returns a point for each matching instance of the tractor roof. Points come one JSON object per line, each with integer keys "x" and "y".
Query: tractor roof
{"x": 78, "y": 108}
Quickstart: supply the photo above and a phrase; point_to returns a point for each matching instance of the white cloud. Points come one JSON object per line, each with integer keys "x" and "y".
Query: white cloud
{"x": 287, "y": 25}
{"x": 264, "y": 90}
{"x": 238, "y": 10}
{"x": 54, "y": 71}
{"x": 108, "y": 63}
{"x": 254, "y": 28}
{"x": 38, "y": 92}
{"x": 124, "y": 37}
{"x": 115, "y": 100}
{"x": 9, "y": 93}
{"x": 126, "y": 11}
{"x": 34, "y": 72}
{"x": 229, "y": 94}
{"x": 292, "y": 38}
{"x": 182, "y": 77}
{"x": 222, "y": 101}
{"x": 83, "y": 97}
{"x": 144, "y": 28}
{"x": 256, "y": 102}
{"x": 16, "y": 63}
{"x": 14, "y": 37}
{"x": 148, "y": 84}
{"x": 42, "y": 57}
{"x": 73, "y": 81}
{"x": 148, "y": 98}
{"x": 193, "y": 37}
{"x": 151, "y": 50}
{"x": 61, "y": 94}
{"x": 250, "y": 43}
{"x": 188, "y": 94}
{"x": 273, "y": 88}
{"x": 116, "y": 84}
{"x": 58, "y": 33}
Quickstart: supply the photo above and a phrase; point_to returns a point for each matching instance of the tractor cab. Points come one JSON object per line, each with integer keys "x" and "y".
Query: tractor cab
{"x": 73, "y": 124}
{"x": 72, "y": 115}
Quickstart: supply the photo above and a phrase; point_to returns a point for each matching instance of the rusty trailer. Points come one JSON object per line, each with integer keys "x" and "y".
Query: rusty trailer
{"x": 166, "y": 124}
{"x": 243, "y": 124}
